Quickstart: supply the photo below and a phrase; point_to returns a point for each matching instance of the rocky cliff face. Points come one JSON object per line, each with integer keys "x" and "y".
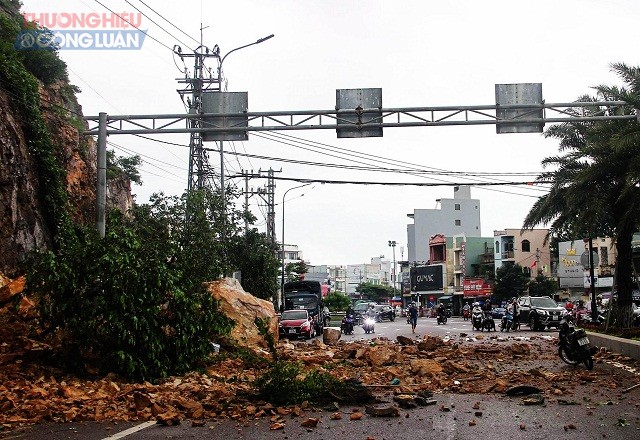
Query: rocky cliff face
{"x": 22, "y": 228}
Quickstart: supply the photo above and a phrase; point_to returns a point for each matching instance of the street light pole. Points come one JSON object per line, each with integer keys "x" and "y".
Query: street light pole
{"x": 282, "y": 238}
{"x": 392, "y": 243}
{"x": 261, "y": 40}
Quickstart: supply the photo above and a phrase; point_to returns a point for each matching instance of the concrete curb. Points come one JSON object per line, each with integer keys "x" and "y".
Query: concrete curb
{"x": 627, "y": 347}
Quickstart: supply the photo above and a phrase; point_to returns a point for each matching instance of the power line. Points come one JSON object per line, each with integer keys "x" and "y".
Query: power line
{"x": 161, "y": 16}
{"x": 374, "y": 169}
{"x": 365, "y": 156}
{"x": 351, "y": 182}
{"x": 391, "y": 160}
{"x": 127, "y": 21}
{"x": 151, "y": 20}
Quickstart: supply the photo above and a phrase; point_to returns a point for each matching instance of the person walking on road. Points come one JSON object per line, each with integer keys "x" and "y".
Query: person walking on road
{"x": 413, "y": 316}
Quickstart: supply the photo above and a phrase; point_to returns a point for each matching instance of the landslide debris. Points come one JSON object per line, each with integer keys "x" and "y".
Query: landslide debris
{"x": 31, "y": 391}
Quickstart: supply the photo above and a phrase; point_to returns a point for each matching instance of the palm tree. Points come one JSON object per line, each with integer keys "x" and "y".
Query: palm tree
{"x": 595, "y": 181}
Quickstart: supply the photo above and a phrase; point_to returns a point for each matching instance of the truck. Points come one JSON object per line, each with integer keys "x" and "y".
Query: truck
{"x": 306, "y": 295}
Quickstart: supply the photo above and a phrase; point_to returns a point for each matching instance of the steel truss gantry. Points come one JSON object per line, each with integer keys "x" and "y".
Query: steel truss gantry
{"x": 335, "y": 119}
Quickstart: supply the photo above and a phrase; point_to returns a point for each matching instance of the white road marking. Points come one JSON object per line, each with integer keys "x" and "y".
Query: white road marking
{"x": 131, "y": 430}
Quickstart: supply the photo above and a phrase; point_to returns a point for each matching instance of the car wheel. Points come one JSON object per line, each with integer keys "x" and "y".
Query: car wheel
{"x": 532, "y": 323}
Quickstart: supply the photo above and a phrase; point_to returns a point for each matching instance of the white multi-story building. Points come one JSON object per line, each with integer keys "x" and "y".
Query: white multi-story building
{"x": 460, "y": 215}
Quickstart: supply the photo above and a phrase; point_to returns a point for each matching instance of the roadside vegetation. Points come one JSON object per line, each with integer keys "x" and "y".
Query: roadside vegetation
{"x": 595, "y": 180}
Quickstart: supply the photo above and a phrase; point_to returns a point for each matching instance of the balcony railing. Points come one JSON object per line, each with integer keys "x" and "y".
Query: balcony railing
{"x": 487, "y": 259}
{"x": 507, "y": 255}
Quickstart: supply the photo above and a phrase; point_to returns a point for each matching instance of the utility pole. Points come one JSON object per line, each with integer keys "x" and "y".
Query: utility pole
{"x": 393, "y": 243}
{"x": 199, "y": 168}
{"x": 271, "y": 211}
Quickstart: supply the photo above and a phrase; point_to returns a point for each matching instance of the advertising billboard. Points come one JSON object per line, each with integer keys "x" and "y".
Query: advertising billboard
{"x": 427, "y": 278}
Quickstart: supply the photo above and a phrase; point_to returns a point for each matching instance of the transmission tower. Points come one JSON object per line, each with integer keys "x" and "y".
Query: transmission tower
{"x": 200, "y": 82}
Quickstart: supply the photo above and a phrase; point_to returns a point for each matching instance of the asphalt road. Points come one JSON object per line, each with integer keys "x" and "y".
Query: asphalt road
{"x": 428, "y": 326}
{"x": 589, "y": 412}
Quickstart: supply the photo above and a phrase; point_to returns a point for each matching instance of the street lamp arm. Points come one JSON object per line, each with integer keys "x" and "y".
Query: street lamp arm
{"x": 261, "y": 40}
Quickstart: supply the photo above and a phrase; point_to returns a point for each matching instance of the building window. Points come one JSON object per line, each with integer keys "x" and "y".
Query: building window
{"x": 497, "y": 247}
{"x": 526, "y": 246}
{"x": 457, "y": 206}
{"x": 458, "y": 222}
{"x": 604, "y": 256}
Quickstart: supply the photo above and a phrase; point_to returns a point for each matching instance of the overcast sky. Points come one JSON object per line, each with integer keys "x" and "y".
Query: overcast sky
{"x": 421, "y": 53}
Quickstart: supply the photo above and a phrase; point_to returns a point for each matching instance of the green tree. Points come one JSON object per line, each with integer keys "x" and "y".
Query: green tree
{"x": 510, "y": 281}
{"x": 133, "y": 302}
{"x": 337, "y": 301}
{"x": 594, "y": 182}
{"x": 543, "y": 286}
{"x": 375, "y": 292}
{"x": 255, "y": 257}
{"x": 295, "y": 271}
{"x": 124, "y": 165}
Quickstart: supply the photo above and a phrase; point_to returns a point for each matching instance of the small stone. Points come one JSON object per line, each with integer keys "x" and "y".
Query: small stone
{"x": 356, "y": 416}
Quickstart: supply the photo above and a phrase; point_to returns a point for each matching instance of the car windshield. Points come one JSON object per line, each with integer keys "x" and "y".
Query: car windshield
{"x": 362, "y": 307}
{"x": 294, "y": 314}
{"x": 543, "y": 302}
{"x": 301, "y": 302}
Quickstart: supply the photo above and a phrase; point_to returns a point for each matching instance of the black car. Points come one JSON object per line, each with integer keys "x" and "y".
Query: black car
{"x": 540, "y": 312}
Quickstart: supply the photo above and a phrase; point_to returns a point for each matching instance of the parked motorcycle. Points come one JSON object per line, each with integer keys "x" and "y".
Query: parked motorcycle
{"x": 506, "y": 322}
{"x": 368, "y": 325}
{"x": 476, "y": 319}
{"x": 488, "y": 323}
{"x": 347, "y": 325}
{"x": 574, "y": 346}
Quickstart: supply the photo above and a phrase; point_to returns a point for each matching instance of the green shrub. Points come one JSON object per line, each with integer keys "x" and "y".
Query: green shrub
{"x": 122, "y": 305}
{"x": 285, "y": 384}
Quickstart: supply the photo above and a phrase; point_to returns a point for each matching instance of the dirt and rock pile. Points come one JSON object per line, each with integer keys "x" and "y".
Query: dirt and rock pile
{"x": 402, "y": 372}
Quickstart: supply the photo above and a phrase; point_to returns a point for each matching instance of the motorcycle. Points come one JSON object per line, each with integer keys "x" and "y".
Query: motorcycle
{"x": 506, "y": 322}
{"x": 347, "y": 325}
{"x": 477, "y": 317}
{"x": 441, "y": 318}
{"x": 368, "y": 325}
{"x": 573, "y": 344}
{"x": 488, "y": 322}
{"x": 466, "y": 314}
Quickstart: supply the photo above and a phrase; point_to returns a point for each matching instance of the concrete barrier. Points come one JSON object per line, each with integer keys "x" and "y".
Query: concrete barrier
{"x": 627, "y": 347}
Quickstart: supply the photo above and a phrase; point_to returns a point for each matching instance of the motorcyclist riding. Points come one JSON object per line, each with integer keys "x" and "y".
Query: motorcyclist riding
{"x": 348, "y": 320}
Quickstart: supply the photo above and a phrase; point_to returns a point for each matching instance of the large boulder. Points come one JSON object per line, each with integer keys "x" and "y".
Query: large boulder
{"x": 244, "y": 308}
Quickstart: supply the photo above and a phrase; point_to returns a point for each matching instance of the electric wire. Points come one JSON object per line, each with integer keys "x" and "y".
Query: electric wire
{"x": 127, "y": 21}
{"x": 143, "y": 155}
{"x": 152, "y": 21}
{"x": 354, "y": 182}
{"x": 371, "y": 168}
{"x": 390, "y": 160}
{"x": 366, "y": 156}
{"x": 168, "y": 21}
{"x": 94, "y": 90}
{"x": 128, "y": 151}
